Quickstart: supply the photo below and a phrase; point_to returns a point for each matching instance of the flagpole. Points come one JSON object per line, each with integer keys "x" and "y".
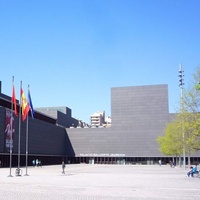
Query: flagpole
{"x": 19, "y": 128}
{"x": 11, "y": 128}
{"x": 27, "y": 143}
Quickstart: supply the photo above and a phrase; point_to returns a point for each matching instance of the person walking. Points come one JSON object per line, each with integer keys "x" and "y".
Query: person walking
{"x": 36, "y": 162}
{"x": 190, "y": 171}
{"x": 33, "y": 163}
{"x": 63, "y": 167}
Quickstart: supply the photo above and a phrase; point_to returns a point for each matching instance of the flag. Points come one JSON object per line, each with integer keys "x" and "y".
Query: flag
{"x": 30, "y": 104}
{"x": 24, "y": 105}
{"x": 14, "y": 100}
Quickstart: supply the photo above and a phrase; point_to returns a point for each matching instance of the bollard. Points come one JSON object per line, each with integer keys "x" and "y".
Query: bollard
{"x": 18, "y": 172}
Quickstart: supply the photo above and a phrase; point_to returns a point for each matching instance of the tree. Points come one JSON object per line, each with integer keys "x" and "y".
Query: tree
{"x": 184, "y": 130}
{"x": 191, "y": 96}
{"x": 181, "y": 133}
{"x": 171, "y": 142}
{"x": 191, "y": 99}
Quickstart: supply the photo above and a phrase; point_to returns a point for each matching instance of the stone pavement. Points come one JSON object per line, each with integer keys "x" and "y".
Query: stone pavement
{"x": 99, "y": 182}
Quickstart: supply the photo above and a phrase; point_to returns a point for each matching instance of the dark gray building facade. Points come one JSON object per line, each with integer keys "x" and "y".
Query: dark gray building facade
{"x": 139, "y": 115}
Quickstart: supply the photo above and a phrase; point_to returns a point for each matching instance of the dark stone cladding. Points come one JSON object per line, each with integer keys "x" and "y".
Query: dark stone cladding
{"x": 44, "y": 138}
{"x": 139, "y": 115}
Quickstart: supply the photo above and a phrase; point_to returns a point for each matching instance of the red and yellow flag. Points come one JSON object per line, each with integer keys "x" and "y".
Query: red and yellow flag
{"x": 14, "y": 100}
{"x": 24, "y": 105}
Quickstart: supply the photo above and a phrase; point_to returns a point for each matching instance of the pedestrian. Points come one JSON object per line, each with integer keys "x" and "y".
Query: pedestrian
{"x": 33, "y": 163}
{"x": 37, "y": 162}
{"x": 189, "y": 173}
{"x": 63, "y": 167}
{"x": 160, "y": 162}
{"x": 40, "y": 163}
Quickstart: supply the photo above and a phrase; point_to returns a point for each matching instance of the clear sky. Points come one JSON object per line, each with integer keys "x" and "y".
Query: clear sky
{"x": 72, "y": 52}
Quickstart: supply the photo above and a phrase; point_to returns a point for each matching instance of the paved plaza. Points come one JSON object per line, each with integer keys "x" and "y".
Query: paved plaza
{"x": 99, "y": 182}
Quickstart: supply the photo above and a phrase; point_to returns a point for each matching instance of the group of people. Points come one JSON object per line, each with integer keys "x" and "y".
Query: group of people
{"x": 192, "y": 171}
{"x": 37, "y": 163}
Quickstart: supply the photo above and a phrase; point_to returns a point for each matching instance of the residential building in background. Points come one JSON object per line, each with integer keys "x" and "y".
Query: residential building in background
{"x": 97, "y": 119}
{"x": 107, "y": 122}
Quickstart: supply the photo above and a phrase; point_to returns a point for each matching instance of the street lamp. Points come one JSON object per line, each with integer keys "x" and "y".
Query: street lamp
{"x": 181, "y": 75}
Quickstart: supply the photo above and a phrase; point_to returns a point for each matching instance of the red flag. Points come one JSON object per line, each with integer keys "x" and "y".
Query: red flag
{"x": 24, "y": 104}
{"x": 14, "y": 100}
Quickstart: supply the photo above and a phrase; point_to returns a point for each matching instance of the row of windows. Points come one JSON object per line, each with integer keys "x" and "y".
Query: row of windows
{"x": 127, "y": 160}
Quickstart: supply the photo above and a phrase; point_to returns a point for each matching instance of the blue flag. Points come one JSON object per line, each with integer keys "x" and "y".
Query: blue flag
{"x": 30, "y": 104}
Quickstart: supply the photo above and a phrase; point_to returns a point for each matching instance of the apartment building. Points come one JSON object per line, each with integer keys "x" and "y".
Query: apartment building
{"x": 97, "y": 119}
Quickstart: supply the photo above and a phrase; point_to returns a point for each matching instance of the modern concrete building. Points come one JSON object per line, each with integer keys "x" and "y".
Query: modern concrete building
{"x": 139, "y": 115}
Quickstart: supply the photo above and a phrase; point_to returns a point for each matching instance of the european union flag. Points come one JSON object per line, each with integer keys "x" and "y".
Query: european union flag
{"x": 30, "y": 104}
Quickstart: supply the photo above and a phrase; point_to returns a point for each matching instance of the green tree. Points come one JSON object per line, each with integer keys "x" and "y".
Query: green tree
{"x": 171, "y": 143}
{"x": 181, "y": 133}
{"x": 191, "y": 123}
{"x": 191, "y": 95}
{"x": 191, "y": 113}
{"x": 188, "y": 123}
{"x": 184, "y": 131}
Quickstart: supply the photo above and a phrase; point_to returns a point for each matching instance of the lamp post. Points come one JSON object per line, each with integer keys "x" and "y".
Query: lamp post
{"x": 181, "y": 75}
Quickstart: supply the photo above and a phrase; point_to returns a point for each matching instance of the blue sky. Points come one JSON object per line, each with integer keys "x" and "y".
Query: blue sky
{"x": 72, "y": 52}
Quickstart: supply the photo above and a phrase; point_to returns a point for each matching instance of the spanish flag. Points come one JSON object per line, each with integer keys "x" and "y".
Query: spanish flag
{"x": 24, "y": 105}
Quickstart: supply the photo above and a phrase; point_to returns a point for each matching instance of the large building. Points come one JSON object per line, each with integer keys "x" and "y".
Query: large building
{"x": 139, "y": 115}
